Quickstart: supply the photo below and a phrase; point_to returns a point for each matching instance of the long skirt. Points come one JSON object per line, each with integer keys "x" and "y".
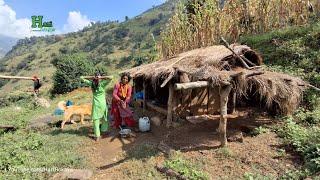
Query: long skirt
{"x": 120, "y": 114}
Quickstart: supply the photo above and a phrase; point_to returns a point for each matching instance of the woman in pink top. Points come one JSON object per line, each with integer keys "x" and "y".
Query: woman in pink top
{"x": 120, "y": 110}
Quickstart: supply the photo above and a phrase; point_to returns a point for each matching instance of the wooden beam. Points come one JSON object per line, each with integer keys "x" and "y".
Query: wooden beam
{"x": 224, "y": 94}
{"x": 171, "y": 75}
{"x": 191, "y": 85}
{"x": 156, "y": 108}
{"x": 15, "y": 77}
{"x": 205, "y": 117}
{"x": 170, "y": 105}
{"x": 102, "y": 77}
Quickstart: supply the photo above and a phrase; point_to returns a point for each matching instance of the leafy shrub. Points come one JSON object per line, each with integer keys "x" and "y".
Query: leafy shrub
{"x": 69, "y": 69}
{"x": 154, "y": 21}
{"x": 31, "y": 57}
{"x": 185, "y": 168}
{"x": 64, "y": 50}
{"x": 32, "y": 150}
{"x": 306, "y": 141}
{"x": 121, "y": 32}
{"x": 22, "y": 65}
{"x": 3, "y": 82}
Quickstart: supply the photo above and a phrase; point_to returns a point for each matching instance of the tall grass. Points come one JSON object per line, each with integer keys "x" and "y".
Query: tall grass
{"x": 200, "y": 23}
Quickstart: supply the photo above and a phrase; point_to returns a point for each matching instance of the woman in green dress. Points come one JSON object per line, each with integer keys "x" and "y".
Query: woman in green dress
{"x": 99, "y": 106}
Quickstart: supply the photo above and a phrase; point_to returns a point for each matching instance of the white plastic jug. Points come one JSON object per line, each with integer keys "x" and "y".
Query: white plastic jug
{"x": 144, "y": 124}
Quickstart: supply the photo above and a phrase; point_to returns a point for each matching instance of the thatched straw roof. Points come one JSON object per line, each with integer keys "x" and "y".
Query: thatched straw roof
{"x": 218, "y": 65}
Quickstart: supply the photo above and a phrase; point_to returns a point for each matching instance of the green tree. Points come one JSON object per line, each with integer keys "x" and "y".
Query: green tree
{"x": 69, "y": 70}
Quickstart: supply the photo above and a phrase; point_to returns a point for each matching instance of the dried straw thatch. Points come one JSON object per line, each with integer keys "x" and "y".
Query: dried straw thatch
{"x": 218, "y": 65}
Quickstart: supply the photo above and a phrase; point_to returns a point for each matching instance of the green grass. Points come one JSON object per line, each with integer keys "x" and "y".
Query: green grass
{"x": 26, "y": 150}
{"x": 31, "y": 150}
{"x": 185, "y": 167}
{"x": 295, "y": 51}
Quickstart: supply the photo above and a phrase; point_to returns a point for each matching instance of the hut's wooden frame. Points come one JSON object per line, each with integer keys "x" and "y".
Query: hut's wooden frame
{"x": 219, "y": 68}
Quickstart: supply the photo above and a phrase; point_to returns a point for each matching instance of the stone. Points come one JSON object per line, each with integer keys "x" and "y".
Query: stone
{"x": 79, "y": 174}
{"x": 236, "y": 137}
{"x": 156, "y": 121}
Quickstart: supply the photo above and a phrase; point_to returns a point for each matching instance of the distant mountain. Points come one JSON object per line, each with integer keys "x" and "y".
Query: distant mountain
{"x": 110, "y": 44}
{"x": 6, "y": 44}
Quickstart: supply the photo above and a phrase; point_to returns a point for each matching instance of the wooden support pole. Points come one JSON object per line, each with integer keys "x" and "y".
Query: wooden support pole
{"x": 190, "y": 85}
{"x": 234, "y": 99}
{"x": 224, "y": 94}
{"x": 170, "y": 105}
{"x": 144, "y": 95}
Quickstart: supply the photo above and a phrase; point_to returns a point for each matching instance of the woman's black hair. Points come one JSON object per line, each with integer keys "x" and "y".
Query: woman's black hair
{"x": 97, "y": 73}
{"x": 126, "y": 74}
{"x": 95, "y": 82}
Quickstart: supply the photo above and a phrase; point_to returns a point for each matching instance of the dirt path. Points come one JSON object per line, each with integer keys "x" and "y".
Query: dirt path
{"x": 198, "y": 143}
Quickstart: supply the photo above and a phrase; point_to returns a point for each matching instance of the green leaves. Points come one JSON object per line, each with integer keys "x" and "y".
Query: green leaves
{"x": 185, "y": 167}
{"x": 69, "y": 70}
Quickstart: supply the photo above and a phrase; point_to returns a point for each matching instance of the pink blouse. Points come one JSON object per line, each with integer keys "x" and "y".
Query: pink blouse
{"x": 117, "y": 94}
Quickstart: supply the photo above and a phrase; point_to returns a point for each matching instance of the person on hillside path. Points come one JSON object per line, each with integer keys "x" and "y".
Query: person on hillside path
{"x": 120, "y": 110}
{"x": 99, "y": 106}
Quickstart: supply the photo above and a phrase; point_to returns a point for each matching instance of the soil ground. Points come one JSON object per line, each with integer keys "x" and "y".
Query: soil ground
{"x": 114, "y": 157}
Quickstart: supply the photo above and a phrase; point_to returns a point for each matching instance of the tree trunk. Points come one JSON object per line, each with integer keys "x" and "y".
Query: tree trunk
{"x": 224, "y": 94}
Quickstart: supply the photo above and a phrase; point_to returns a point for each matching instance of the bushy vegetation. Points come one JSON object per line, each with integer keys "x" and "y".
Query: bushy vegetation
{"x": 305, "y": 140}
{"x": 200, "y": 23}
{"x": 69, "y": 70}
{"x": 33, "y": 150}
{"x": 184, "y": 167}
{"x": 295, "y": 51}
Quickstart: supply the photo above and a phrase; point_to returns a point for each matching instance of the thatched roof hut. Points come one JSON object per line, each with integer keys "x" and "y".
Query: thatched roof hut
{"x": 204, "y": 81}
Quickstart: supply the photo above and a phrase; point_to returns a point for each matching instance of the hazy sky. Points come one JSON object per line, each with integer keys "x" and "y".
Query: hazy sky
{"x": 66, "y": 15}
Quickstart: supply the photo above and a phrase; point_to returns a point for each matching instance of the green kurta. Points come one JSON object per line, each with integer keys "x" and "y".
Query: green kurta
{"x": 99, "y": 105}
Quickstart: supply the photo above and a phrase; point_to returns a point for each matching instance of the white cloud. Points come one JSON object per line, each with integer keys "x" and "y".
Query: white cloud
{"x": 10, "y": 25}
{"x": 76, "y": 22}
{"x": 21, "y": 28}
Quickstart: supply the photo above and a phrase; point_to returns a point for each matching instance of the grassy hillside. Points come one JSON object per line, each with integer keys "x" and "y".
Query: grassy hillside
{"x": 295, "y": 51}
{"x": 109, "y": 44}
